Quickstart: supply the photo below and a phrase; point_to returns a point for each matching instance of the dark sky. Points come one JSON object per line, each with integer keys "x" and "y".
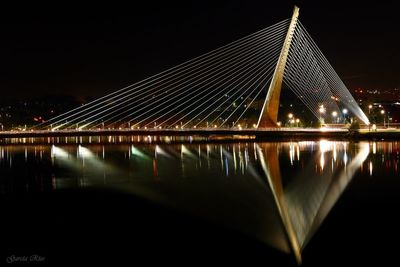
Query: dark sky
{"x": 89, "y": 50}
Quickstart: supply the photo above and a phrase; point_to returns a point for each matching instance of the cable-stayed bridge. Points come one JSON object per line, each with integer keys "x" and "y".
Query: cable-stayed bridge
{"x": 237, "y": 86}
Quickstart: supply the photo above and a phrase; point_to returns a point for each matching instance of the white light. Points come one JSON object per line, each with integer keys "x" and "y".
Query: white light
{"x": 84, "y": 152}
{"x": 345, "y": 158}
{"x": 161, "y": 151}
{"x": 137, "y": 152}
{"x": 58, "y": 152}
{"x": 185, "y": 151}
{"x": 345, "y": 111}
{"x": 325, "y": 146}
{"x": 322, "y": 161}
{"x": 370, "y": 168}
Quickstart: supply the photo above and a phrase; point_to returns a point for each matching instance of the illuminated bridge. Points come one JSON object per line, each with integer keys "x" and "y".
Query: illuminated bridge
{"x": 234, "y": 87}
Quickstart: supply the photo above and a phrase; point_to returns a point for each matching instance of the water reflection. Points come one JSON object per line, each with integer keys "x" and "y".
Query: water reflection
{"x": 307, "y": 199}
{"x": 279, "y": 192}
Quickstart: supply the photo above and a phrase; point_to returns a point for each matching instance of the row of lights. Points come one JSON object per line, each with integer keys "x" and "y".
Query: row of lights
{"x": 370, "y": 107}
{"x": 292, "y": 119}
{"x": 321, "y": 110}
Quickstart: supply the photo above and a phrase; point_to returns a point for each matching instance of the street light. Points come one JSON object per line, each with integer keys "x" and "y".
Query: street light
{"x": 334, "y": 115}
{"x": 369, "y": 109}
{"x": 297, "y": 122}
{"x": 345, "y": 111}
{"x": 290, "y": 116}
{"x": 383, "y": 113}
{"x": 321, "y": 111}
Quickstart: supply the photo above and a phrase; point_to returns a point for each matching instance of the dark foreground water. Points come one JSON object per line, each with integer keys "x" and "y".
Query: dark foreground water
{"x": 275, "y": 204}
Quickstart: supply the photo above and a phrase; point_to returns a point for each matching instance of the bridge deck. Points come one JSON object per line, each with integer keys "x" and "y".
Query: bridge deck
{"x": 217, "y": 134}
{"x": 178, "y": 132}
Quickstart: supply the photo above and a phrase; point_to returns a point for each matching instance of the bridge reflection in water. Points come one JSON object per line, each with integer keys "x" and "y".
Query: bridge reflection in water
{"x": 304, "y": 203}
{"x": 279, "y": 193}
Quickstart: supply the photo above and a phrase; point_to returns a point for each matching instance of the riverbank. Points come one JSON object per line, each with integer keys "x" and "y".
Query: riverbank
{"x": 191, "y": 135}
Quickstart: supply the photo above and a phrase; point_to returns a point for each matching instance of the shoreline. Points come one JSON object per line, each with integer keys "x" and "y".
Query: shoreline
{"x": 191, "y": 136}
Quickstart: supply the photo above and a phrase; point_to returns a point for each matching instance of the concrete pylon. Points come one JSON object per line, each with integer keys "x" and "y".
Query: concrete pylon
{"x": 269, "y": 112}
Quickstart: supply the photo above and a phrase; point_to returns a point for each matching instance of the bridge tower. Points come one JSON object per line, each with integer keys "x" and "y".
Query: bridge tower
{"x": 269, "y": 112}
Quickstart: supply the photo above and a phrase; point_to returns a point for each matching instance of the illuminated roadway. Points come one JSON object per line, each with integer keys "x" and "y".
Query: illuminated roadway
{"x": 269, "y": 132}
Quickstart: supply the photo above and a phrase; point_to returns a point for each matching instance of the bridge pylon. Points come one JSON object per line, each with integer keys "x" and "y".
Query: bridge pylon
{"x": 269, "y": 112}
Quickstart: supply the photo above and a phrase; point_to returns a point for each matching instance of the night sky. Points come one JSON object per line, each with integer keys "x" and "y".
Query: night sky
{"x": 87, "y": 51}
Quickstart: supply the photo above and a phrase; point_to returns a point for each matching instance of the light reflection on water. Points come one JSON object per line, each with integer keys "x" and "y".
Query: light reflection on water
{"x": 112, "y": 139}
{"x": 277, "y": 192}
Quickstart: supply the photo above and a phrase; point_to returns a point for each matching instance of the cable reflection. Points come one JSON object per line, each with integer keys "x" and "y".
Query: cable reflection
{"x": 307, "y": 199}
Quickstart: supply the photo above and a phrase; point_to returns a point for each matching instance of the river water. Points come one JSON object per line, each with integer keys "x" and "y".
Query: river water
{"x": 288, "y": 203}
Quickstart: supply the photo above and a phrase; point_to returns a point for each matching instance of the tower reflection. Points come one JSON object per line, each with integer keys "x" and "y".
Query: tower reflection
{"x": 304, "y": 202}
